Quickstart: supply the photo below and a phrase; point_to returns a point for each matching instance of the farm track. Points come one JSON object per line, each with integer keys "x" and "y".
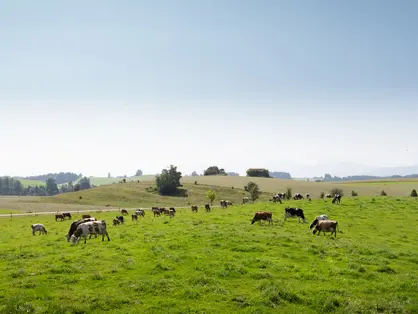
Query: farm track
{"x": 81, "y": 211}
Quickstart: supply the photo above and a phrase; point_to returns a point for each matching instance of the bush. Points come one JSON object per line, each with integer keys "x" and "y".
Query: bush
{"x": 354, "y": 193}
{"x": 211, "y": 195}
{"x": 336, "y": 191}
{"x": 289, "y": 193}
{"x": 383, "y": 193}
{"x": 414, "y": 193}
{"x": 322, "y": 195}
{"x": 253, "y": 189}
{"x": 258, "y": 172}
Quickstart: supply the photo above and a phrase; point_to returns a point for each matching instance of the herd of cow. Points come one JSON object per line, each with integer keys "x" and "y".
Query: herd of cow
{"x": 88, "y": 225}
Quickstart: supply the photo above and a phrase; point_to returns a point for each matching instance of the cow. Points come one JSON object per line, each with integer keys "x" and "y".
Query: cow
{"x": 123, "y": 211}
{"x": 121, "y": 219}
{"x": 173, "y": 209}
{"x": 85, "y": 216}
{"x": 298, "y": 196}
{"x": 337, "y": 198}
{"x": 294, "y": 212}
{"x": 134, "y": 217}
{"x": 68, "y": 215}
{"x": 207, "y": 207}
{"x": 245, "y": 200}
{"x": 263, "y": 216}
{"x": 229, "y": 203}
{"x": 307, "y": 195}
{"x": 140, "y": 212}
{"x": 156, "y": 211}
{"x": 91, "y": 227}
{"x": 59, "y": 216}
{"x": 194, "y": 208}
{"x": 326, "y": 226}
{"x": 75, "y": 224}
{"x": 116, "y": 222}
{"x": 162, "y": 210}
{"x": 171, "y": 213}
{"x": 328, "y": 195}
{"x": 277, "y": 198}
{"x": 38, "y": 227}
{"x": 223, "y": 204}
{"x": 318, "y": 218}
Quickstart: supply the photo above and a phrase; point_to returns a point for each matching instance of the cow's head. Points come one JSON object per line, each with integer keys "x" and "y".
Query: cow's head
{"x": 313, "y": 223}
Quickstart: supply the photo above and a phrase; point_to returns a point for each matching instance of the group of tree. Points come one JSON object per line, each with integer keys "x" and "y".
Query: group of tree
{"x": 168, "y": 181}
{"x": 12, "y": 186}
{"x": 214, "y": 171}
{"x": 60, "y": 178}
{"x": 258, "y": 172}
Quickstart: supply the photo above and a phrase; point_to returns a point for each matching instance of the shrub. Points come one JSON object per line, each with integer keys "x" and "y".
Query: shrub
{"x": 322, "y": 195}
{"x": 211, "y": 195}
{"x": 383, "y": 193}
{"x": 336, "y": 191}
{"x": 289, "y": 193}
{"x": 258, "y": 172}
{"x": 354, "y": 193}
{"x": 253, "y": 189}
{"x": 168, "y": 181}
{"x": 414, "y": 193}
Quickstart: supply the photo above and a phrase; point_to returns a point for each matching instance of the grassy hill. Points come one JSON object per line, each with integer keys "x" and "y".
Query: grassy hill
{"x": 26, "y": 182}
{"x": 98, "y": 181}
{"x": 218, "y": 262}
{"x": 401, "y": 187}
{"x": 134, "y": 194}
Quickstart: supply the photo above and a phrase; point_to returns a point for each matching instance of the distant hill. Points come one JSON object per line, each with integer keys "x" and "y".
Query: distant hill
{"x": 280, "y": 175}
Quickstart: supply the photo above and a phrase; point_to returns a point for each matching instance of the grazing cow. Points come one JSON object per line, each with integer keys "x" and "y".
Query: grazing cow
{"x": 294, "y": 212}
{"x": 134, "y": 217}
{"x": 245, "y": 200}
{"x": 91, "y": 227}
{"x": 318, "y": 218}
{"x": 277, "y": 198}
{"x": 85, "y": 216}
{"x": 298, "y": 196}
{"x": 59, "y": 216}
{"x": 328, "y": 195}
{"x": 326, "y": 226}
{"x": 40, "y": 228}
{"x": 156, "y": 211}
{"x": 337, "y": 198}
{"x": 194, "y": 208}
{"x": 123, "y": 211}
{"x": 75, "y": 224}
{"x": 173, "y": 209}
{"x": 207, "y": 207}
{"x": 140, "y": 212}
{"x": 121, "y": 219}
{"x": 223, "y": 204}
{"x": 162, "y": 210}
{"x": 171, "y": 213}
{"x": 229, "y": 203}
{"x": 68, "y": 215}
{"x": 116, "y": 222}
{"x": 308, "y": 195}
{"x": 263, "y": 216}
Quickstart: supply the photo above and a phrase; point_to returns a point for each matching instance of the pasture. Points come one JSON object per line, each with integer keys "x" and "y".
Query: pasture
{"x": 219, "y": 262}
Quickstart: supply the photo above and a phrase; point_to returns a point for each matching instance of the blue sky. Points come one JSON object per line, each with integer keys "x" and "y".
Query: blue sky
{"x": 98, "y": 86}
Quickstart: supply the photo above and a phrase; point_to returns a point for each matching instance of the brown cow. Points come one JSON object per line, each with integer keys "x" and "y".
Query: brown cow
{"x": 123, "y": 211}
{"x": 194, "y": 208}
{"x": 263, "y": 216}
{"x": 326, "y": 226}
{"x": 59, "y": 216}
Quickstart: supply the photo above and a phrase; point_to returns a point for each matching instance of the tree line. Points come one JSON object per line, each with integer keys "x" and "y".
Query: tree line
{"x": 13, "y": 186}
{"x": 60, "y": 178}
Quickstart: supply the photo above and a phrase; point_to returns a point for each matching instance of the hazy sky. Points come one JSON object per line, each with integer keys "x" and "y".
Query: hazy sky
{"x": 98, "y": 86}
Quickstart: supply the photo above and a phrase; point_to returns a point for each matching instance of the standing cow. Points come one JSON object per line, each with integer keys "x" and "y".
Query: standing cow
{"x": 326, "y": 226}
{"x": 318, "y": 218}
{"x": 91, "y": 227}
{"x": 294, "y": 212}
{"x": 38, "y": 227}
{"x": 75, "y": 224}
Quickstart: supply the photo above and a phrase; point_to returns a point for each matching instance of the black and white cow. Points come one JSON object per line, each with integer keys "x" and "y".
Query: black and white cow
{"x": 294, "y": 212}
{"x": 336, "y": 199}
{"x": 89, "y": 228}
{"x": 75, "y": 224}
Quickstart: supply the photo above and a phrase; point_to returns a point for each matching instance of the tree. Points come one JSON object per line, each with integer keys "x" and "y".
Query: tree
{"x": 354, "y": 193}
{"x": 289, "y": 193}
{"x": 322, "y": 195}
{"x": 84, "y": 183}
{"x": 168, "y": 181}
{"x": 77, "y": 187}
{"x": 258, "y": 172}
{"x": 383, "y": 193}
{"x": 211, "y": 195}
{"x": 414, "y": 193}
{"x": 253, "y": 189}
{"x": 336, "y": 191}
{"x": 138, "y": 173}
{"x": 194, "y": 174}
{"x": 51, "y": 187}
{"x": 70, "y": 186}
{"x": 214, "y": 171}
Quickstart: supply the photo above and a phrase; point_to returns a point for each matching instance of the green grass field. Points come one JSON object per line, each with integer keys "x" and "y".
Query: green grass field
{"x": 26, "y": 183}
{"x": 218, "y": 262}
{"x": 98, "y": 181}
